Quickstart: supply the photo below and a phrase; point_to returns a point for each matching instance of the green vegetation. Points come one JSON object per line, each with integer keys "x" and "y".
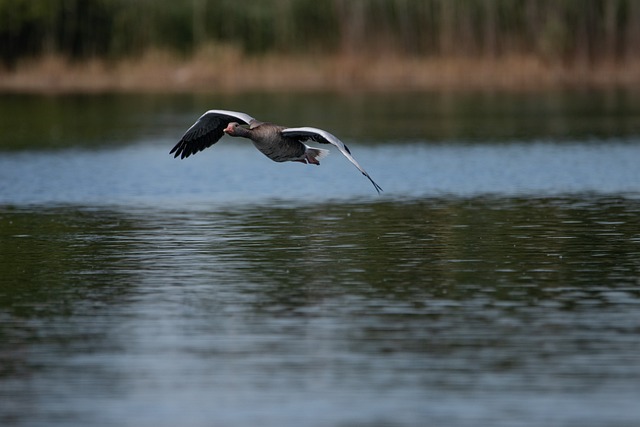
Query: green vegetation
{"x": 565, "y": 30}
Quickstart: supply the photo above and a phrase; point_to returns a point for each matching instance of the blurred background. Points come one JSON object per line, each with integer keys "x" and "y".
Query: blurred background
{"x": 551, "y": 41}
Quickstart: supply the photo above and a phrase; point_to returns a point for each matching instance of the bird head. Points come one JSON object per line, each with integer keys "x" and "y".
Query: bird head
{"x": 231, "y": 128}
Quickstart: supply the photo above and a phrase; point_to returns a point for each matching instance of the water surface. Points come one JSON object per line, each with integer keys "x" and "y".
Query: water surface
{"x": 494, "y": 282}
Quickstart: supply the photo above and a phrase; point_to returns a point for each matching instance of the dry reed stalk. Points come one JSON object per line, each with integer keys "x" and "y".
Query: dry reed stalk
{"x": 227, "y": 70}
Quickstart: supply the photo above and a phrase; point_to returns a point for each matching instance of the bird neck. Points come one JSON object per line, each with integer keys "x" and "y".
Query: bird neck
{"x": 242, "y": 132}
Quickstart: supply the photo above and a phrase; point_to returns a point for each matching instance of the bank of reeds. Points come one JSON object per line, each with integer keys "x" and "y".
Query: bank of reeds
{"x": 393, "y": 39}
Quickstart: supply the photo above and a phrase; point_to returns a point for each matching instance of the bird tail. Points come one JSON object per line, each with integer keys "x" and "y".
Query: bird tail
{"x": 313, "y": 155}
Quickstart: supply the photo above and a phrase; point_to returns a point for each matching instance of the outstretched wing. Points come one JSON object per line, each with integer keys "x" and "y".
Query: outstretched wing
{"x": 207, "y": 130}
{"x": 324, "y": 137}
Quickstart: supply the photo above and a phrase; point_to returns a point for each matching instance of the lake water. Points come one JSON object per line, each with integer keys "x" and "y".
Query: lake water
{"x": 495, "y": 281}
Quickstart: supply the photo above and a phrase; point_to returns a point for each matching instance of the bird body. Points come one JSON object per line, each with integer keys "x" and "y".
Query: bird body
{"x": 279, "y": 143}
{"x": 267, "y": 138}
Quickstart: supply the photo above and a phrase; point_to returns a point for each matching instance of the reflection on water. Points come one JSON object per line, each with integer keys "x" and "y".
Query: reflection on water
{"x": 471, "y": 311}
{"x": 233, "y": 173}
{"x": 52, "y": 122}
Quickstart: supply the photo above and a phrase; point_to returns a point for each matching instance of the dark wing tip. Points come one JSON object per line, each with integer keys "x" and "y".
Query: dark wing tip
{"x": 375, "y": 185}
{"x": 180, "y": 149}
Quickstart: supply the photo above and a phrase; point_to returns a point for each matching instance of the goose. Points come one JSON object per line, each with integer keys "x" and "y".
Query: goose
{"x": 279, "y": 143}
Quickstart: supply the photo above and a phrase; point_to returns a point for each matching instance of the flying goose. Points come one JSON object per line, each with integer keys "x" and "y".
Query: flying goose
{"x": 279, "y": 143}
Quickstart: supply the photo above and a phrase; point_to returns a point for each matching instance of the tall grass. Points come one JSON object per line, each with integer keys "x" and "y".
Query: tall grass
{"x": 555, "y": 30}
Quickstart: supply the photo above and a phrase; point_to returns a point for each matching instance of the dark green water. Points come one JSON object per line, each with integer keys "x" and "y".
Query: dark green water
{"x": 495, "y": 282}
{"x": 42, "y": 122}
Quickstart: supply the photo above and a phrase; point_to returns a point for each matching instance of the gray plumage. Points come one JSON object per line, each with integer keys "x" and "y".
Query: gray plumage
{"x": 280, "y": 144}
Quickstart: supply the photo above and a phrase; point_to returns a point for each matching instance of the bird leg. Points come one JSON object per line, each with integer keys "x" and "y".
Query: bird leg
{"x": 311, "y": 159}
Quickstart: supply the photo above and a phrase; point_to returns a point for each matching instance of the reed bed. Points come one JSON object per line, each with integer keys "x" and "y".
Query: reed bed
{"x": 119, "y": 44}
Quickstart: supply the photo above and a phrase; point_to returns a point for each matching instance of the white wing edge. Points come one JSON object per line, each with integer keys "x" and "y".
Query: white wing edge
{"x": 334, "y": 141}
{"x": 240, "y": 116}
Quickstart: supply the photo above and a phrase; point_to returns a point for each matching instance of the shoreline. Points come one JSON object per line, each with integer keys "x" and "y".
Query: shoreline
{"x": 229, "y": 72}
